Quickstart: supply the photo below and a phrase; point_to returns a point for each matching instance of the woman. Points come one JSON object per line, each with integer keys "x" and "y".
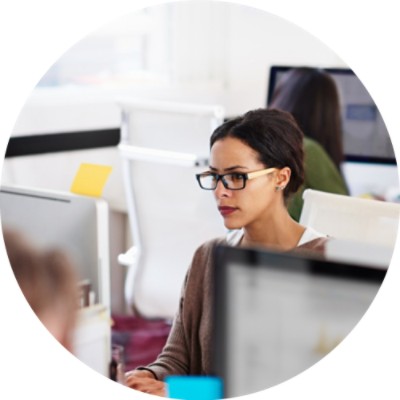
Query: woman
{"x": 311, "y": 96}
{"x": 256, "y": 163}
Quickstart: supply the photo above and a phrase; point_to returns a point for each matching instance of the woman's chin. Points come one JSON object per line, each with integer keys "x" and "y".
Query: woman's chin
{"x": 231, "y": 225}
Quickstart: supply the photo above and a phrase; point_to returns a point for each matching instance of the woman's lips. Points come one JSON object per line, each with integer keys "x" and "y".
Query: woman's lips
{"x": 226, "y": 210}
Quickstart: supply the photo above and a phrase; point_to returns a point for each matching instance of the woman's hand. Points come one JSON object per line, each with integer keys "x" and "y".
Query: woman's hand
{"x": 144, "y": 381}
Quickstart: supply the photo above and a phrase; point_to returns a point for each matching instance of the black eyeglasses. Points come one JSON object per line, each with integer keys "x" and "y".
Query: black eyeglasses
{"x": 231, "y": 181}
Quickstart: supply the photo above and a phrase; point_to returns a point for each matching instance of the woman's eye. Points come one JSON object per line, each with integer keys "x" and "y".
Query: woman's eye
{"x": 210, "y": 177}
{"x": 236, "y": 177}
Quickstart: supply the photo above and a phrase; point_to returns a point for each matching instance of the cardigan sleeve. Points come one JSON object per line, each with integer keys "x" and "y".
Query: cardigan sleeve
{"x": 184, "y": 350}
{"x": 174, "y": 357}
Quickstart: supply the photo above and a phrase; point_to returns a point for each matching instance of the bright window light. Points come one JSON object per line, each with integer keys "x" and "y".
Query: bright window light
{"x": 131, "y": 49}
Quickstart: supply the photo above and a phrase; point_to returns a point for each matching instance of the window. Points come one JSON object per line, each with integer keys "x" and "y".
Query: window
{"x": 131, "y": 49}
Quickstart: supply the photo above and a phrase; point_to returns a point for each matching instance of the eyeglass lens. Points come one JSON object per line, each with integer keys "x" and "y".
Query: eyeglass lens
{"x": 230, "y": 181}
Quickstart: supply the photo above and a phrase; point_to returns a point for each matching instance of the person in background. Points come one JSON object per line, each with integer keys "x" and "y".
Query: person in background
{"x": 49, "y": 283}
{"x": 312, "y": 97}
{"x": 256, "y": 164}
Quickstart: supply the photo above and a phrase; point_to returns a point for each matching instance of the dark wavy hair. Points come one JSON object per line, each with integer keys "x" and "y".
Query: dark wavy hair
{"x": 274, "y": 135}
{"x": 312, "y": 97}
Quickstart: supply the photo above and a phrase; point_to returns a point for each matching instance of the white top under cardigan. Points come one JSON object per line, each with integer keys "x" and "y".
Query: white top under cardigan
{"x": 235, "y": 236}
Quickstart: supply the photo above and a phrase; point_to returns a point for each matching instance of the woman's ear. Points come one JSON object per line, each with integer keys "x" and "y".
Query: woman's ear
{"x": 282, "y": 178}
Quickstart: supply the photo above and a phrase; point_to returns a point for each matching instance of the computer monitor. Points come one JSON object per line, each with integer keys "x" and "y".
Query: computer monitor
{"x": 277, "y": 314}
{"x": 365, "y": 137}
{"x": 370, "y": 165}
{"x": 75, "y": 224}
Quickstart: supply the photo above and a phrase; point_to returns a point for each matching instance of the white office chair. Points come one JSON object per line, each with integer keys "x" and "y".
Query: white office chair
{"x": 352, "y": 219}
{"x": 162, "y": 146}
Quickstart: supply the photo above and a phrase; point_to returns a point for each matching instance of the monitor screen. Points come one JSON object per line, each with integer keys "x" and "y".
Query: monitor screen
{"x": 77, "y": 225}
{"x": 278, "y": 314}
{"x": 365, "y": 137}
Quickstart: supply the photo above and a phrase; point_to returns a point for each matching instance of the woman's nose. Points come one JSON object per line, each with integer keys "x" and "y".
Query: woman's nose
{"x": 220, "y": 190}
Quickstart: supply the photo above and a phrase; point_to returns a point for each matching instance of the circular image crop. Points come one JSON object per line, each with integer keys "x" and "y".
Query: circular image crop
{"x": 220, "y": 185}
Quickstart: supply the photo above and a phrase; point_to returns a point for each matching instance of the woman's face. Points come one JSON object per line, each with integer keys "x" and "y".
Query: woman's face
{"x": 254, "y": 203}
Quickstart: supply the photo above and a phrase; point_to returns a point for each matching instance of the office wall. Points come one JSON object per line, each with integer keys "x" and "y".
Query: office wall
{"x": 220, "y": 53}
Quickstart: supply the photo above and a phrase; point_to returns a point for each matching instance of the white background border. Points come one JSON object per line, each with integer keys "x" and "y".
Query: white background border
{"x": 33, "y": 34}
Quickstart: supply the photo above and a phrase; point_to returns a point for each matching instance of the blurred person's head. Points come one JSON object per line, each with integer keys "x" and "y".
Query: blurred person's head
{"x": 312, "y": 97}
{"x": 48, "y": 280}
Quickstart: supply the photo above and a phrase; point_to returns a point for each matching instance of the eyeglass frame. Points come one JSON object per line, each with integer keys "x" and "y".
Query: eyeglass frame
{"x": 246, "y": 176}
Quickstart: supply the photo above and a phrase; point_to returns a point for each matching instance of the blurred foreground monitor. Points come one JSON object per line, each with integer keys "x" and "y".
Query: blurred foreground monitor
{"x": 277, "y": 314}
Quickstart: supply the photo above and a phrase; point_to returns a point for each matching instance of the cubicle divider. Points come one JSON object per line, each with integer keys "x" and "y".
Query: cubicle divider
{"x": 78, "y": 226}
{"x": 361, "y": 230}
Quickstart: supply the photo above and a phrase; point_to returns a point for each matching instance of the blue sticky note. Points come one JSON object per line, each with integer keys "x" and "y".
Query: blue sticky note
{"x": 194, "y": 387}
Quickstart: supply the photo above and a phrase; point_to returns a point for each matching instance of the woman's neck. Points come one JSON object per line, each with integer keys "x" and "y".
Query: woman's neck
{"x": 280, "y": 232}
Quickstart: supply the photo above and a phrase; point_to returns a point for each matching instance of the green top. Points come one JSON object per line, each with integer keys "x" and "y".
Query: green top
{"x": 320, "y": 173}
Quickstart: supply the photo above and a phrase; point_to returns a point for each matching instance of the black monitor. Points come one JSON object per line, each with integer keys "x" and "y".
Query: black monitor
{"x": 365, "y": 137}
{"x": 277, "y": 314}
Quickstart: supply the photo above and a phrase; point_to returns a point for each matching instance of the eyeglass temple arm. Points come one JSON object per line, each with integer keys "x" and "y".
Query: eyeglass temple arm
{"x": 255, "y": 174}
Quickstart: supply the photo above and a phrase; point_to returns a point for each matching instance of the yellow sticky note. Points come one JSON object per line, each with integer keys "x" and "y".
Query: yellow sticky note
{"x": 90, "y": 179}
